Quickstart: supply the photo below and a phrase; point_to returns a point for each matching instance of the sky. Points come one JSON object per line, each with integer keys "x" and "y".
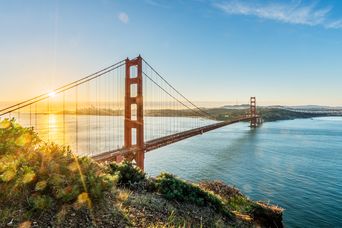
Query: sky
{"x": 223, "y": 51}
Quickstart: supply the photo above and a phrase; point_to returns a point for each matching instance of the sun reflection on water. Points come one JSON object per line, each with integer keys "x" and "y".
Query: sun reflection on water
{"x": 53, "y": 127}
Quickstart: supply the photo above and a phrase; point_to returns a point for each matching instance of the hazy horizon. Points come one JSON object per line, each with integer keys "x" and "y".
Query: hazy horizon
{"x": 203, "y": 104}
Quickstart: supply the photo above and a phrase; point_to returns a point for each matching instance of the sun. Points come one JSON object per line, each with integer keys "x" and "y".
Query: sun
{"x": 52, "y": 94}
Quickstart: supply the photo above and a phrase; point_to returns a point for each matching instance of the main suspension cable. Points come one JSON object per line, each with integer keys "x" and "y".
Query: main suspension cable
{"x": 201, "y": 110}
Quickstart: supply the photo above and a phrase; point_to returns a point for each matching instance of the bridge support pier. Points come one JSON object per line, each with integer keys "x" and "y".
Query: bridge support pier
{"x": 134, "y": 122}
{"x": 255, "y": 120}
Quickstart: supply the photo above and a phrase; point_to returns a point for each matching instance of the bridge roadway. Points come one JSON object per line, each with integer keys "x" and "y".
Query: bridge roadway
{"x": 167, "y": 140}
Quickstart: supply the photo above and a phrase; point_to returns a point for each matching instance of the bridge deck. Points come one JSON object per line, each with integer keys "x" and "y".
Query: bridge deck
{"x": 167, "y": 140}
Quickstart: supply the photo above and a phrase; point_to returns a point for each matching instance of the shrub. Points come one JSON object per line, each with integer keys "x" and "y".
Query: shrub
{"x": 39, "y": 175}
{"x": 232, "y": 197}
{"x": 173, "y": 188}
{"x": 40, "y": 202}
{"x": 128, "y": 175}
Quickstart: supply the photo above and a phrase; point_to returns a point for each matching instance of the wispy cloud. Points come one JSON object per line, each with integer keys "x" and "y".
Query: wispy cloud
{"x": 293, "y": 12}
{"x": 160, "y": 3}
{"x": 123, "y": 17}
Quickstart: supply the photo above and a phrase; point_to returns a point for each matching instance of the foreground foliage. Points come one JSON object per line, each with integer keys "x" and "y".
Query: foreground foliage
{"x": 173, "y": 188}
{"x": 43, "y": 184}
{"x": 37, "y": 176}
{"x": 128, "y": 175}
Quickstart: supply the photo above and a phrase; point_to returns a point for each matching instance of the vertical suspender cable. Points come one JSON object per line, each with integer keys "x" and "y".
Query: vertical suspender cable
{"x": 30, "y": 115}
{"x": 35, "y": 121}
{"x": 63, "y": 118}
{"x": 76, "y": 107}
{"x": 88, "y": 117}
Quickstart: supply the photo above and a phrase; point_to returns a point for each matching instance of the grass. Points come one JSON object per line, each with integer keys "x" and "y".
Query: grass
{"x": 240, "y": 204}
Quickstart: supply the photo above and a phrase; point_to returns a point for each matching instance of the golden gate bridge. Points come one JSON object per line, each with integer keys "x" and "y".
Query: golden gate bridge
{"x": 120, "y": 112}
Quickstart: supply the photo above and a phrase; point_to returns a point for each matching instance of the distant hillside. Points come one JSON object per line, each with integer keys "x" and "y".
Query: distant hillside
{"x": 242, "y": 106}
{"x": 314, "y": 107}
{"x": 268, "y": 113}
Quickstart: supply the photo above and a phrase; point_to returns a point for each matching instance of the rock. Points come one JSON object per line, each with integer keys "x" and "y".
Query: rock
{"x": 10, "y": 223}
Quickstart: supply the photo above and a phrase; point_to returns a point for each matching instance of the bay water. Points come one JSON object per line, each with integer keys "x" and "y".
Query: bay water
{"x": 296, "y": 164}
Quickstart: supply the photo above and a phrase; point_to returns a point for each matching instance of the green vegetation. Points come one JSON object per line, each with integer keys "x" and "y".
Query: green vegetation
{"x": 274, "y": 114}
{"x": 38, "y": 176}
{"x": 173, "y": 188}
{"x": 128, "y": 175}
{"x": 268, "y": 114}
{"x": 45, "y": 184}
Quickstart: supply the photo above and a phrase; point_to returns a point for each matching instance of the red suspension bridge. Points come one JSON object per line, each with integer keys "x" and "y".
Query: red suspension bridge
{"x": 119, "y": 112}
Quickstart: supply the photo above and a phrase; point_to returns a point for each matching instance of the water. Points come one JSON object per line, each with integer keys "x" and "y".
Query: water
{"x": 296, "y": 164}
{"x": 89, "y": 135}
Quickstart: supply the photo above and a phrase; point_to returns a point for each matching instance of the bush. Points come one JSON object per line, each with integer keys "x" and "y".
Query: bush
{"x": 232, "y": 197}
{"x": 128, "y": 175}
{"x": 173, "y": 188}
{"x": 38, "y": 175}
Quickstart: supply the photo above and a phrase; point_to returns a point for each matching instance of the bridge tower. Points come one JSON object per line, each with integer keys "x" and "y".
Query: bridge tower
{"x": 253, "y": 113}
{"x": 134, "y": 122}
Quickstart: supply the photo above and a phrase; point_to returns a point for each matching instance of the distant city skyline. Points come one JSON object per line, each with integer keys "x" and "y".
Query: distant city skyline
{"x": 213, "y": 51}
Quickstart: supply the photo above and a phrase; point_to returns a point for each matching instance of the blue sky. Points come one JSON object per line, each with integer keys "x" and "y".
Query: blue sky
{"x": 283, "y": 52}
